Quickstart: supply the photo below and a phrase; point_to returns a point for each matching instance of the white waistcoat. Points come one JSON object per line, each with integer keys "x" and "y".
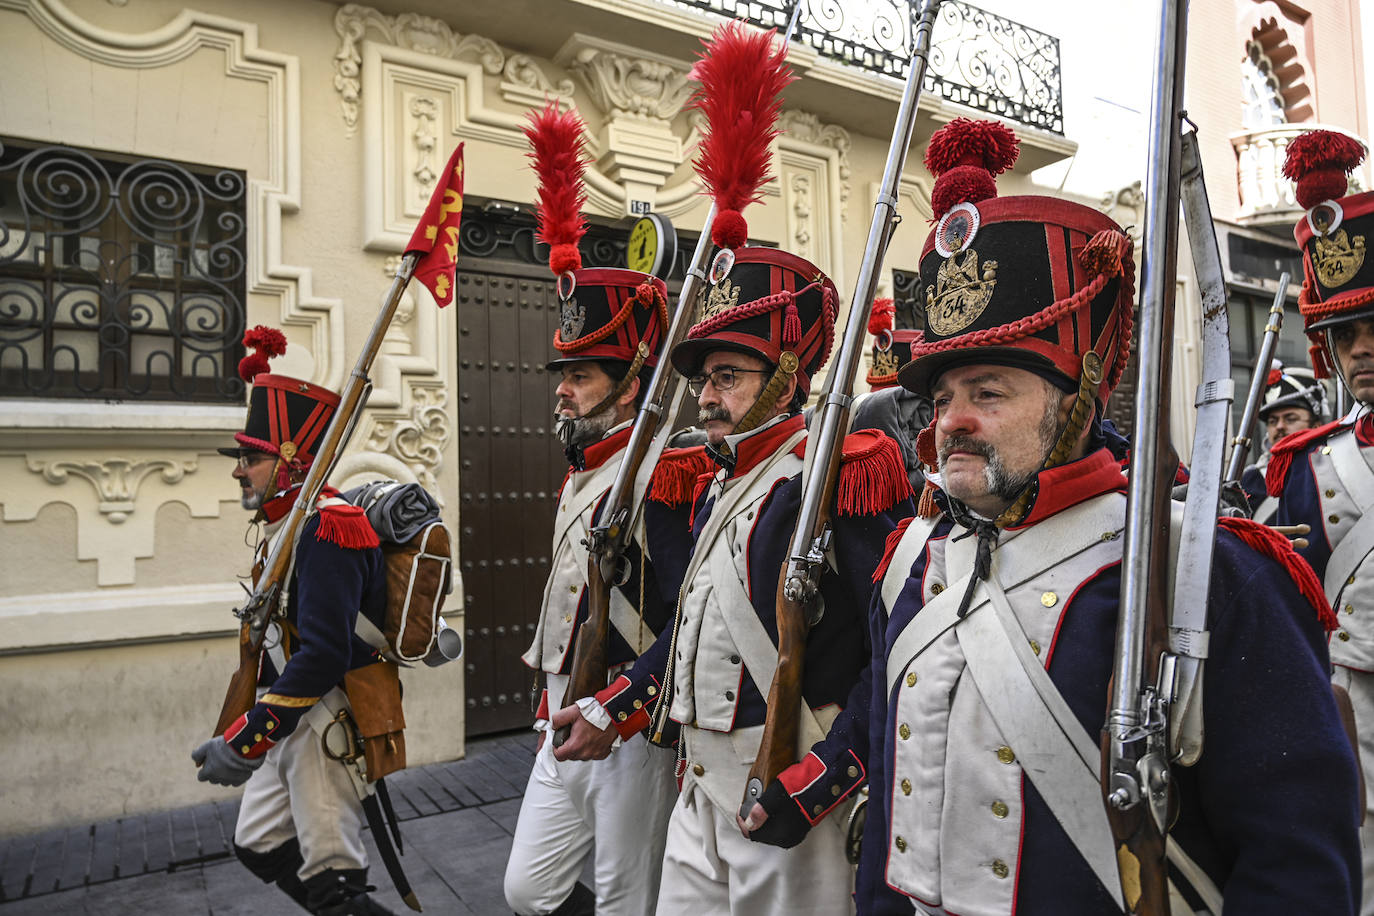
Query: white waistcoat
{"x": 954, "y": 783}
{"x": 1353, "y": 644}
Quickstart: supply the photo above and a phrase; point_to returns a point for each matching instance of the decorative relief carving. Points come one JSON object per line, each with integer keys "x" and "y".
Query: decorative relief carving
{"x": 427, "y": 35}
{"x": 1127, "y": 206}
{"x": 424, "y": 110}
{"x": 419, "y": 439}
{"x": 806, "y": 127}
{"x": 801, "y": 215}
{"x": 624, "y": 86}
{"x": 116, "y": 480}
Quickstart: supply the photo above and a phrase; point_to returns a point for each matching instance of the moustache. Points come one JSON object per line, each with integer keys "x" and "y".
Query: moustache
{"x": 965, "y": 444}
{"x": 707, "y": 414}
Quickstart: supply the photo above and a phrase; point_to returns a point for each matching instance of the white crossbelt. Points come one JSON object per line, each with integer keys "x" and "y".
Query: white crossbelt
{"x": 1351, "y": 466}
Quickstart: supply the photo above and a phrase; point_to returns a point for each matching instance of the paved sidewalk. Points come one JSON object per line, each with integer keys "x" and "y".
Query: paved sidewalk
{"x": 456, "y": 821}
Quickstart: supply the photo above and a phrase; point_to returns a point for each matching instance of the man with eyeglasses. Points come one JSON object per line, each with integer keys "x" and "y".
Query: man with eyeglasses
{"x": 767, "y": 330}
{"x": 300, "y": 823}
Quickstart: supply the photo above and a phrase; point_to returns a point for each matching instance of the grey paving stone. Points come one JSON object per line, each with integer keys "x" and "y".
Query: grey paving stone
{"x": 435, "y": 792}
{"x": 505, "y": 785}
{"x": 130, "y": 858}
{"x": 468, "y": 851}
{"x": 504, "y": 814}
{"x": 47, "y": 862}
{"x": 104, "y": 852}
{"x": 209, "y": 832}
{"x": 450, "y": 776}
{"x": 76, "y": 857}
{"x": 481, "y": 781}
{"x": 157, "y": 841}
{"x": 185, "y": 845}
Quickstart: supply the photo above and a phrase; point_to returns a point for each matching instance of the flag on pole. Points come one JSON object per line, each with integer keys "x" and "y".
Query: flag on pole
{"x": 437, "y": 235}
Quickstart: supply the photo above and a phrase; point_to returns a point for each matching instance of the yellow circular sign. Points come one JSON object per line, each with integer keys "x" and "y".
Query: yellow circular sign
{"x": 651, "y": 246}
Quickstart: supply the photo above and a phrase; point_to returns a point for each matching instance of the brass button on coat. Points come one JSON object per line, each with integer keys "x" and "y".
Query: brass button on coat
{"x": 1333, "y": 519}
{"x": 911, "y": 679}
{"x": 900, "y": 843}
{"x": 936, "y": 588}
{"x": 1005, "y": 754}
{"x": 698, "y": 769}
{"x": 906, "y": 786}
{"x": 999, "y": 809}
{"x": 1049, "y": 599}
{"x": 1330, "y": 493}
{"x": 905, "y": 730}
{"x": 1035, "y": 647}
{"x": 1343, "y": 636}
{"x": 999, "y": 868}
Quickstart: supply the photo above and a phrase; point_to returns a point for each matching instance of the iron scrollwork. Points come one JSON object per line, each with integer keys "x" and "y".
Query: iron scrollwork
{"x": 977, "y": 59}
{"x": 119, "y": 277}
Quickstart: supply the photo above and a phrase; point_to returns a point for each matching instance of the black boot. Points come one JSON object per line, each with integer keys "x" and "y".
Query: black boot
{"x": 581, "y": 902}
{"x": 342, "y": 892}
{"x": 277, "y": 866}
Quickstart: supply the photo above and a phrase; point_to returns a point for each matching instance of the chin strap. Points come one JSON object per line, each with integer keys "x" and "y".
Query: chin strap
{"x": 641, "y": 354}
{"x": 1088, "y": 381}
{"x": 767, "y": 399}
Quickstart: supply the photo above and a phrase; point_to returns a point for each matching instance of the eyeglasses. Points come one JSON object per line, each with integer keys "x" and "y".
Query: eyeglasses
{"x": 722, "y": 378}
{"x": 252, "y": 458}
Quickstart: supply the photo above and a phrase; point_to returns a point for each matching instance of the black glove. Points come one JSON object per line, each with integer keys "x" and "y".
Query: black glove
{"x": 786, "y": 825}
{"x": 220, "y": 765}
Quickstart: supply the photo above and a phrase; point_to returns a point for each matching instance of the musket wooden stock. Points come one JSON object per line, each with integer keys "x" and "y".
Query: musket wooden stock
{"x": 589, "y": 653}
{"x": 243, "y": 686}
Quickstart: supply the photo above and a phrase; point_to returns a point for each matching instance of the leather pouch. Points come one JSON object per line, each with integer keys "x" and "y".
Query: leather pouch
{"x": 374, "y": 693}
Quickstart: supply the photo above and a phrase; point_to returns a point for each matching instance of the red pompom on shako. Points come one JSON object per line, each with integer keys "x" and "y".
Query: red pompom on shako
{"x": 266, "y": 343}
{"x": 965, "y": 156}
{"x": 740, "y": 74}
{"x": 1338, "y": 278}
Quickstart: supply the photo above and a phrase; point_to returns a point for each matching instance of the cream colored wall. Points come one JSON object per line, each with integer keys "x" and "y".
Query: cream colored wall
{"x": 119, "y": 526}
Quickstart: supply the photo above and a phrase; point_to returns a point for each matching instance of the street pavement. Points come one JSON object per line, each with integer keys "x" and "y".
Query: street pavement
{"x": 457, "y": 820}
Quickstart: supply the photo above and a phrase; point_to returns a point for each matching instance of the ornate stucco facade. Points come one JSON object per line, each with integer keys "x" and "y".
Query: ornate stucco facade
{"x": 120, "y": 529}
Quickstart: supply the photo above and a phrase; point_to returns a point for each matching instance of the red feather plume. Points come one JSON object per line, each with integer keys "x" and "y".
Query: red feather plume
{"x": 880, "y": 319}
{"x": 1320, "y": 162}
{"x": 558, "y": 151}
{"x": 1275, "y": 376}
{"x": 741, "y": 74}
{"x": 266, "y": 343}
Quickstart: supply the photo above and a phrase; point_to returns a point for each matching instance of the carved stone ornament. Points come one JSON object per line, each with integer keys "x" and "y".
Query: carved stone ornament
{"x": 1126, "y": 206}
{"x": 806, "y": 127}
{"x": 419, "y": 439}
{"x": 427, "y": 35}
{"x": 116, "y": 480}
{"x": 637, "y": 87}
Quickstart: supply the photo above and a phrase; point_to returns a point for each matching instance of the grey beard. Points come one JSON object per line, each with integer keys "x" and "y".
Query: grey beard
{"x": 251, "y": 499}
{"x": 1001, "y": 482}
{"x": 583, "y": 431}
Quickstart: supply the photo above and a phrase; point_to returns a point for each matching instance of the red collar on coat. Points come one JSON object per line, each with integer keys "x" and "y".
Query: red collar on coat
{"x": 752, "y": 450}
{"x": 1069, "y": 484}
{"x": 595, "y": 455}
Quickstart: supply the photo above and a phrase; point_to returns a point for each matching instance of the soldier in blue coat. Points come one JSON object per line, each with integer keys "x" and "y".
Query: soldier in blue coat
{"x": 994, "y": 618}
{"x": 1322, "y": 476}
{"x": 300, "y": 822}
{"x": 767, "y": 330}
{"x": 1294, "y": 400}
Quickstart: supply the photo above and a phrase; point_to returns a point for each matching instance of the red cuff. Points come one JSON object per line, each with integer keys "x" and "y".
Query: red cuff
{"x": 251, "y": 746}
{"x": 543, "y": 712}
{"x": 630, "y": 705}
{"x": 816, "y": 788}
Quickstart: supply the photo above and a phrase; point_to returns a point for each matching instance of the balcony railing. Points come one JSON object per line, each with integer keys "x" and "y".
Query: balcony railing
{"x": 1266, "y": 197}
{"x": 977, "y": 59}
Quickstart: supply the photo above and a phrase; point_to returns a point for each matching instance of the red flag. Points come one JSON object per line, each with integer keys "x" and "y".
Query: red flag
{"x": 437, "y": 235}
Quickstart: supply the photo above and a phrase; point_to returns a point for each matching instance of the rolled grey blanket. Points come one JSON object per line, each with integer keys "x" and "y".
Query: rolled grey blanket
{"x": 396, "y": 511}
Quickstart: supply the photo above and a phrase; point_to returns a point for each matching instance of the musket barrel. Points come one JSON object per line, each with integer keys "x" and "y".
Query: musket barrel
{"x": 839, "y": 385}
{"x": 1258, "y": 382}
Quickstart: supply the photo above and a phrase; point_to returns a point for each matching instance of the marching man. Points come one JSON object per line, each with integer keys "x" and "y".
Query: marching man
{"x": 1294, "y": 400}
{"x": 994, "y": 620}
{"x": 1322, "y": 476}
{"x": 300, "y": 824}
{"x": 612, "y": 326}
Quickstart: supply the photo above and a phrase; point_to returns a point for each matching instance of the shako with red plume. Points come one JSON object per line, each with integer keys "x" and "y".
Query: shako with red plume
{"x": 740, "y": 77}
{"x": 266, "y": 343}
{"x": 891, "y": 344}
{"x": 1338, "y": 278}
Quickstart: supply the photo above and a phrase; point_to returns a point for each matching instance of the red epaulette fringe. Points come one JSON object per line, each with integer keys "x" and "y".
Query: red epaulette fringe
{"x": 872, "y": 477}
{"x": 890, "y": 548}
{"x": 346, "y": 526}
{"x": 1282, "y": 453}
{"x": 1265, "y": 540}
{"x": 674, "y": 479}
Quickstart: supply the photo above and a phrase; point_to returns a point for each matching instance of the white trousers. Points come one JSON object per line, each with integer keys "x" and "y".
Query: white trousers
{"x": 299, "y": 792}
{"x": 618, "y": 806}
{"x": 1360, "y": 686}
{"x": 710, "y": 868}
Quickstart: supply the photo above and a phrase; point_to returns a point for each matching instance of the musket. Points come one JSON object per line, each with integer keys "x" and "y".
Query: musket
{"x": 615, "y": 521}
{"x": 799, "y": 581}
{"x": 1240, "y": 445}
{"x": 1135, "y": 766}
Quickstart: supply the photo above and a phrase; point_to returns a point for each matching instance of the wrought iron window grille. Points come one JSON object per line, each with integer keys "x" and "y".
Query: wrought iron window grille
{"x": 977, "y": 59}
{"x": 120, "y": 277}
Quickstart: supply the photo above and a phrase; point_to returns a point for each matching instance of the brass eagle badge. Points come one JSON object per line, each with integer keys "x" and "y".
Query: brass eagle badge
{"x": 1337, "y": 258}
{"x": 961, "y": 292}
{"x": 572, "y": 317}
{"x": 724, "y": 295}
{"x": 885, "y": 363}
